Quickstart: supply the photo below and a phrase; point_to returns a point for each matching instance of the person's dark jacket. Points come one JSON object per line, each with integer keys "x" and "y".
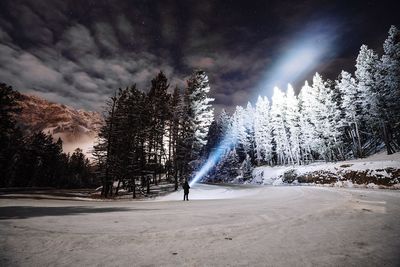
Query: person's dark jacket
{"x": 186, "y": 187}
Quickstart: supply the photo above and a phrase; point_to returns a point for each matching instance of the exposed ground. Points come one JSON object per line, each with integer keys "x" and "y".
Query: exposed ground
{"x": 219, "y": 226}
{"x": 377, "y": 171}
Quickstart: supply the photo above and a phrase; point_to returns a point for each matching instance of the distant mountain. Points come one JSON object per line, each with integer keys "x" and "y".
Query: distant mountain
{"x": 77, "y": 128}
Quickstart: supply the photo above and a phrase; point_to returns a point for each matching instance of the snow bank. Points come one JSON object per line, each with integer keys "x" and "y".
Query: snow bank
{"x": 379, "y": 168}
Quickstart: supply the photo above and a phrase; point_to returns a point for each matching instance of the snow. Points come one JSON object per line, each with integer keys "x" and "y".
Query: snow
{"x": 258, "y": 226}
{"x": 204, "y": 191}
{"x": 375, "y": 165}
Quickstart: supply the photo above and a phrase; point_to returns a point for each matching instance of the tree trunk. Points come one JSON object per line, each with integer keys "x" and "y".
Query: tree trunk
{"x": 117, "y": 189}
{"x": 134, "y": 188}
{"x": 107, "y": 178}
{"x": 148, "y": 184}
{"x": 176, "y": 174}
{"x": 360, "y": 152}
{"x": 386, "y": 139}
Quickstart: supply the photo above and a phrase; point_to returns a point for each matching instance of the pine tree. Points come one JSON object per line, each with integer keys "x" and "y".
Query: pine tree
{"x": 389, "y": 84}
{"x": 308, "y": 138}
{"x": 280, "y": 135}
{"x": 239, "y": 133}
{"x": 293, "y": 124}
{"x": 246, "y": 169}
{"x": 373, "y": 94}
{"x": 10, "y": 135}
{"x": 174, "y": 131}
{"x": 248, "y": 120}
{"x": 366, "y": 71}
{"x": 263, "y": 131}
{"x": 104, "y": 149}
{"x": 201, "y": 111}
{"x": 351, "y": 105}
{"x": 158, "y": 99}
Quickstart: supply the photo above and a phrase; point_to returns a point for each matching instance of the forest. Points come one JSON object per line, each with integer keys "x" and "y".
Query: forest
{"x": 160, "y": 134}
{"x": 354, "y": 116}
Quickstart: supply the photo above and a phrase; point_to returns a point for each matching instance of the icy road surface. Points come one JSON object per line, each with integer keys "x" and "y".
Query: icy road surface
{"x": 219, "y": 226}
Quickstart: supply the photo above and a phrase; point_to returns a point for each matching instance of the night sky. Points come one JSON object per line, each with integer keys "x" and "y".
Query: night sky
{"x": 79, "y": 52}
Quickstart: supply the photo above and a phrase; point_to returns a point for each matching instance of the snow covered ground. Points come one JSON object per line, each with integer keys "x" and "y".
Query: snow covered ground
{"x": 375, "y": 165}
{"x": 219, "y": 226}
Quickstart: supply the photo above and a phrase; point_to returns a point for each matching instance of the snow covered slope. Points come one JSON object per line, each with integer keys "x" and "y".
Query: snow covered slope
{"x": 77, "y": 128}
{"x": 378, "y": 169}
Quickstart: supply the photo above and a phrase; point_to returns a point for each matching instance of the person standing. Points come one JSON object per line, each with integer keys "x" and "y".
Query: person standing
{"x": 186, "y": 188}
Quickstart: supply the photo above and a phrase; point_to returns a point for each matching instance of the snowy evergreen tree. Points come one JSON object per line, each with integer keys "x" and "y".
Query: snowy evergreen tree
{"x": 239, "y": 133}
{"x": 201, "y": 109}
{"x": 327, "y": 120}
{"x": 293, "y": 124}
{"x": 308, "y": 137}
{"x": 217, "y": 133}
{"x": 246, "y": 169}
{"x": 351, "y": 105}
{"x": 366, "y": 72}
{"x": 263, "y": 131}
{"x": 249, "y": 128}
{"x": 389, "y": 84}
{"x": 370, "y": 72}
{"x": 280, "y": 135}
{"x": 320, "y": 115}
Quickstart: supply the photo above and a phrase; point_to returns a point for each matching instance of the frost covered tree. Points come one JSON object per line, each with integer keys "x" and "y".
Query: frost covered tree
{"x": 263, "y": 131}
{"x": 369, "y": 72}
{"x": 389, "y": 84}
{"x": 320, "y": 115}
{"x": 218, "y": 132}
{"x": 280, "y": 135}
{"x": 327, "y": 120}
{"x": 308, "y": 137}
{"x": 202, "y": 111}
{"x": 249, "y": 128}
{"x": 246, "y": 169}
{"x": 366, "y": 72}
{"x": 293, "y": 124}
{"x": 351, "y": 106}
{"x": 239, "y": 133}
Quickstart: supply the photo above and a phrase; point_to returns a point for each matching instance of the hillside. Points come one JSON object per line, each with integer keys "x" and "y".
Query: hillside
{"x": 77, "y": 128}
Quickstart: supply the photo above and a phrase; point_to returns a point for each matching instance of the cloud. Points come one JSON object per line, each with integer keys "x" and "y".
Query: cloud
{"x": 79, "y": 54}
{"x": 32, "y": 27}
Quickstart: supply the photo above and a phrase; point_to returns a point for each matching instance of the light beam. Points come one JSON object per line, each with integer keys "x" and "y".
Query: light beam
{"x": 227, "y": 143}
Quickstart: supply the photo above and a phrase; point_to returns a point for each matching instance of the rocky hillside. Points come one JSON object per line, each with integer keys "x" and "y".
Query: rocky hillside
{"x": 77, "y": 128}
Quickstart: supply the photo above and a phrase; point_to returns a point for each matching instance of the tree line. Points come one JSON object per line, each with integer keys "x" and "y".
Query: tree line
{"x": 36, "y": 159}
{"x": 153, "y": 136}
{"x": 352, "y": 117}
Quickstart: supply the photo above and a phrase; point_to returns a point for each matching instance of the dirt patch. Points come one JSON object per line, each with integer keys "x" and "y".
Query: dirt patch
{"x": 380, "y": 177}
{"x": 318, "y": 177}
{"x": 367, "y": 177}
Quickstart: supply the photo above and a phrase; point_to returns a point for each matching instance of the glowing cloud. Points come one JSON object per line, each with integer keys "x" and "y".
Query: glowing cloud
{"x": 301, "y": 55}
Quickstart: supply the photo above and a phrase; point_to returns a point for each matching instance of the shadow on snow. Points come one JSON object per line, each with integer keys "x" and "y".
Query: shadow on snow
{"x": 24, "y": 212}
